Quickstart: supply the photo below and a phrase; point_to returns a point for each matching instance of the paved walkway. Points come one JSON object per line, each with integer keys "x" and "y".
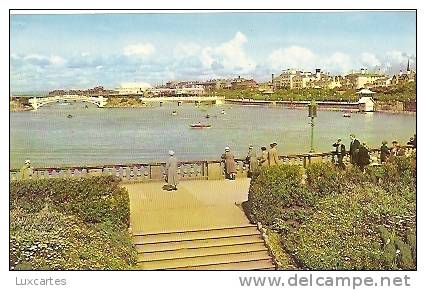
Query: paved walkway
{"x": 196, "y": 204}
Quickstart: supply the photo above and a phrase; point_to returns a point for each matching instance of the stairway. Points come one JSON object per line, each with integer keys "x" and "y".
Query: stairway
{"x": 228, "y": 248}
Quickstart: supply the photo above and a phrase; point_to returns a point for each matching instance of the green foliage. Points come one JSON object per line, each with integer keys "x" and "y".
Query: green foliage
{"x": 341, "y": 219}
{"x": 93, "y": 199}
{"x": 70, "y": 224}
{"x": 51, "y": 240}
{"x": 401, "y": 92}
{"x": 274, "y": 189}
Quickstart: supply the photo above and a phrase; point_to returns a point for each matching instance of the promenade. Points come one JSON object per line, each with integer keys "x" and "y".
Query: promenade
{"x": 200, "y": 226}
{"x": 196, "y": 204}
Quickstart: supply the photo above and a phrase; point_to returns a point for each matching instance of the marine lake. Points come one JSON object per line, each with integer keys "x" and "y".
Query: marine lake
{"x": 136, "y": 135}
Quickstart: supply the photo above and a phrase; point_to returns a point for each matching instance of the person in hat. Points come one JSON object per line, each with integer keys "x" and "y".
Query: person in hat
{"x": 384, "y": 151}
{"x": 273, "y": 158}
{"x": 363, "y": 156}
{"x": 171, "y": 171}
{"x": 354, "y": 149}
{"x": 251, "y": 160}
{"x": 230, "y": 165}
{"x": 413, "y": 141}
{"x": 26, "y": 170}
{"x": 263, "y": 161}
{"x": 339, "y": 153}
{"x": 394, "y": 149}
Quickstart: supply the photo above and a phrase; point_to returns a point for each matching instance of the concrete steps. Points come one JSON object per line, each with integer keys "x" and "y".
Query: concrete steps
{"x": 228, "y": 248}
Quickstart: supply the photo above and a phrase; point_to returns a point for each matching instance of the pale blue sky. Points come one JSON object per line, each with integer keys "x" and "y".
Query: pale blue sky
{"x": 79, "y": 51}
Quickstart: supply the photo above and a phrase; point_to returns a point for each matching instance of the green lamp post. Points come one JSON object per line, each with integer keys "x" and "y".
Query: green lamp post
{"x": 312, "y": 113}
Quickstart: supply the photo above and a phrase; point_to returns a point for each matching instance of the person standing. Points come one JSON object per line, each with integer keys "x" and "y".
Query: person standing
{"x": 363, "y": 156}
{"x": 413, "y": 141}
{"x": 354, "y": 149}
{"x": 339, "y": 153}
{"x": 384, "y": 152}
{"x": 252, "y": 161}
{"x": 264, "y": 157}
{"x": 26, "y": 170}
{"x": 394, "y": 149}
{"x": 171, "y": 170}
{"x": 230, "y": 166}
{"x": 273, "y": 158}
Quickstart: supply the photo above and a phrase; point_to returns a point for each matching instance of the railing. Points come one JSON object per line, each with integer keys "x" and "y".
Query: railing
{"x": 145, "y": 172}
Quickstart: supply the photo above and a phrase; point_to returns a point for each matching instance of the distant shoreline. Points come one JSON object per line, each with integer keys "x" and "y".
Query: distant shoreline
{"x": 336, "y": 106}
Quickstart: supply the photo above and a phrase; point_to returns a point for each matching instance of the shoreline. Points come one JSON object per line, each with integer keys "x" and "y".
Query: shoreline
{"x": 298, "y": 105}
{"x": 322, "y": 106}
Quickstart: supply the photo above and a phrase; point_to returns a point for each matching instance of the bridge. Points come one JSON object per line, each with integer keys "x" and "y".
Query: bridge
{"x": 181, "y": 99}
{"x": 99, "y": 101}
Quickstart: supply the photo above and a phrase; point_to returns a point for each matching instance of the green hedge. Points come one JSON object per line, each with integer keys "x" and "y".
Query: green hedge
{"x": 93, "y": 199}
{"x": 70, "y": 224}
{"x": 334, "y": 219}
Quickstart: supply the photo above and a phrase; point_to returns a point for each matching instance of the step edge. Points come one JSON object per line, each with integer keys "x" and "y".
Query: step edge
{"x": 204, "y": 255}
{"x": 211, "y": 255}
{"x": 195, "y": 230}
{"x": 202, "y": 247}
{"x": 196, "y": 239}
{"x": 213, "y": 264}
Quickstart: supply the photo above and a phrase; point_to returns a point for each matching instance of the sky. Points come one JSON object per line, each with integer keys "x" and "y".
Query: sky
{"x": 85, "y": 50}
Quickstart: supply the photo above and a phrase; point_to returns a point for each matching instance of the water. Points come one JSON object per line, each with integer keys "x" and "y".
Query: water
{"x": 129, "y": 135}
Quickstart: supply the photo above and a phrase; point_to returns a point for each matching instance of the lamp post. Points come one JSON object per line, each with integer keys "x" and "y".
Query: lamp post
{"x": 312, "y": 113}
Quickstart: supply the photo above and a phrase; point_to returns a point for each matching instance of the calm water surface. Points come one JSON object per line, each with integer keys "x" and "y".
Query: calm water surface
{"x": 127, "y": 135}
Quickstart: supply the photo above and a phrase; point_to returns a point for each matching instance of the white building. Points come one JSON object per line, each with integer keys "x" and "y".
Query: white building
{"x": 133, "y": 88}
{"x": 366, "y": 102}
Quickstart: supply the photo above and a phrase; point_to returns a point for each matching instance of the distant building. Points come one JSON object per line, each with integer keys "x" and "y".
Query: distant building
{"x": 133, "y": 88}
{"x": 363, "y": 78}
{"x": 241, "y": 83}
{"x": 366, "y": 102}
{"x": 294, "y": 79}
{"x": 407, "y": 77}
{"x": 96, "y": 91}
{"x": 285, "y": 79}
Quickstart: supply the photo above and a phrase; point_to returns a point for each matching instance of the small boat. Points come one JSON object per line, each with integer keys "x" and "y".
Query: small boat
{"x": 69, "y": 116}
{"x": 346, "y": 115}
{"x": 200, "y": 126}
{"x": 207, "y": 116}
{"x": 223, "y": 112}
{"x": 174, "y": 113}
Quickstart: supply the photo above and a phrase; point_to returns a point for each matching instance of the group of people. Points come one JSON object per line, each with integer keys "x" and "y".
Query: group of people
{"x": 267, "y": 158}
{"x": 359, "y": 153}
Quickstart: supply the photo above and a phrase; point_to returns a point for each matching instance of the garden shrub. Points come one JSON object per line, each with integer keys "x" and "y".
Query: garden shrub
{"x": 341, "y": 219}
{"x": 51, "y": 240}
{"x": 79, "y": 223}
{"x": 273, "y": 189}
{"x": 94, "y": 199}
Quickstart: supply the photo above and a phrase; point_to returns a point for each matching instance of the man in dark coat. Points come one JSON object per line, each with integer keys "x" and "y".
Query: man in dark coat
{"x": 354, "y": 149}
{"x": 413, "y": 141}
{"x": 363, "y": 156}
{"x": 339, "y": 153}
{"x": 251, "y": 161}
{"x": 384, "y": 152}
{"x": 263, "y": 161}
{"x": 230, "y": 165}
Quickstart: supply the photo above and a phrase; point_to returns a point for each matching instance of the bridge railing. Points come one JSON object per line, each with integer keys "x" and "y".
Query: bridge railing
{"x": 155, "y": 171}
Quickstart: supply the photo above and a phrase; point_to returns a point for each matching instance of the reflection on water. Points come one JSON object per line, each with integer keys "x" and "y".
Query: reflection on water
{"x": 125, "y": 135}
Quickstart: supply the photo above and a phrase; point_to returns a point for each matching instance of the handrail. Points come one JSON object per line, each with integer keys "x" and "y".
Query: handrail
{"x": 184, "y": 162}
